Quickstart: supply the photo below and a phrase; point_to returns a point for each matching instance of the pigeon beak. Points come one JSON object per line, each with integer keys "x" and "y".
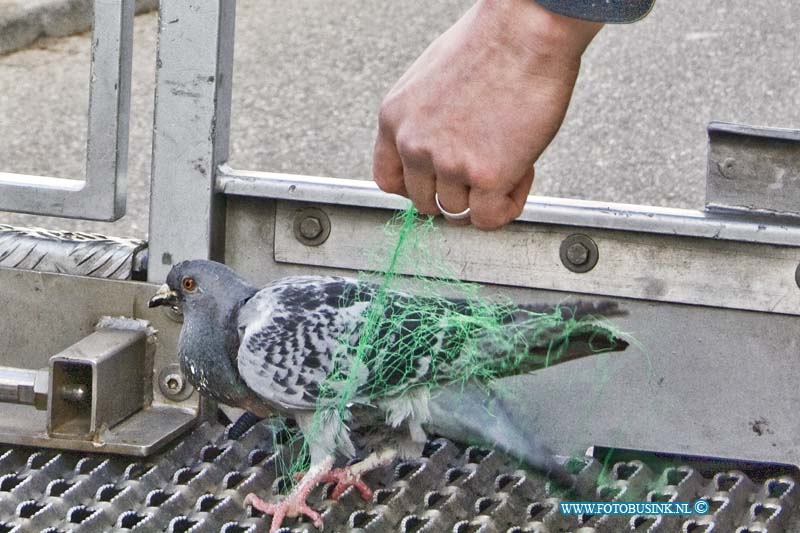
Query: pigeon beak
{"x": 164, "y": 296}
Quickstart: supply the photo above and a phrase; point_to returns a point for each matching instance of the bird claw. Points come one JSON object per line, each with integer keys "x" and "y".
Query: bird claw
{"x": 344, "y": 479}
{"x": 292, "y": 506}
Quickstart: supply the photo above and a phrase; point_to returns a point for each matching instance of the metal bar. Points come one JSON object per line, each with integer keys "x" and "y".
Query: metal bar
{"x": 23, "y": 386}
{"x": 101, "y": 196}
{"x": 190, "y": 135}
{"x": 538, "y": 209}
{"x": 632, "y": 265}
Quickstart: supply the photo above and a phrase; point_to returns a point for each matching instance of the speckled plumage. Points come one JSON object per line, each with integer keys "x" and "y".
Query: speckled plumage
{"x": 276, "y": 349}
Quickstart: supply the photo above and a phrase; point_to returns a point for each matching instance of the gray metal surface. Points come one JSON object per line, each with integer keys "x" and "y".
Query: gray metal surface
{"x": 538, "y": 209}
{"x": 101, "y": 196}
{"x": 190, "y": 134}
{"x": 199, "y": 485}
{"x": 19, "y": 385}
{"x": 76, "y": 253}
{"x": 98, "y": 382}
{"x": 695, "y": 379}
{"x": 649, "y": 266}
{"x": 37, "y": 329}
{"x": 753, "y": 170}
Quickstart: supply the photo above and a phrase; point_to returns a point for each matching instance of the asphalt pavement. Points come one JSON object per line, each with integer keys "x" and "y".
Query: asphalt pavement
{"x": 310, "y": 74}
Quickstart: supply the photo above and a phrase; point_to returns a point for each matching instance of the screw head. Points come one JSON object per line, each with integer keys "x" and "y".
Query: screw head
{"x": 577, "y": 254}
{"x": 310, "y": 227}
{"x": 173, "y": 385}
{"x": 727, "y": 168}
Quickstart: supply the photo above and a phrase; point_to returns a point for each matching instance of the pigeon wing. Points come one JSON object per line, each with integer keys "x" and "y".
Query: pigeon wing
{"x": 290, "y": 332}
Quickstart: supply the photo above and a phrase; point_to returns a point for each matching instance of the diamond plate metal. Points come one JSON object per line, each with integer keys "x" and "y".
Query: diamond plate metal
{"x": 69, "y": 252}
{"x": 199, "y": 485}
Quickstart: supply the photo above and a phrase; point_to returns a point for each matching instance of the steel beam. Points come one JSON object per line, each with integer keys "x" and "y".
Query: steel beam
{"x": 190, "y": 133}
{"x": 538, "y": 209}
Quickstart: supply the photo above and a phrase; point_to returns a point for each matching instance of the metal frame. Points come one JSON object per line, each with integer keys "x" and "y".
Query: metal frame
{"x": 190, "y": 133}
{"x": 101, "y": 196}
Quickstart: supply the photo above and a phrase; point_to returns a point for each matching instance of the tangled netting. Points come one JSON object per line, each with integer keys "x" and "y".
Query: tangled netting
{"x": 422, "y": 327}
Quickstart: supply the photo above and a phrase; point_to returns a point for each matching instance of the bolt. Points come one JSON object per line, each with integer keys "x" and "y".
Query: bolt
{"x": 578, "y": 254}
{"x": 727, "y": 168}
{"x": 310, "y": 228}
{"x": 172, "y": 384}
{"x": 74, "y": 392}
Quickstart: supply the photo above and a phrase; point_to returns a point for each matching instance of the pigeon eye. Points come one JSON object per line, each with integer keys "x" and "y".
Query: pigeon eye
{"x": 189, "y": 284}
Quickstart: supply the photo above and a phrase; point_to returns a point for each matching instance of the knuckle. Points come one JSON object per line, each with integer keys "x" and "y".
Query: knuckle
{"x": 389, "y": 112}
{"x": 482, "y": 175}
{"x": 412, "y": 149}
{"x": 448, "y": 166}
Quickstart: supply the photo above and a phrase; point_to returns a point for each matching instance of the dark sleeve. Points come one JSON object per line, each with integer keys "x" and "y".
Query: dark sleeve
{"x": 610, "y": 11}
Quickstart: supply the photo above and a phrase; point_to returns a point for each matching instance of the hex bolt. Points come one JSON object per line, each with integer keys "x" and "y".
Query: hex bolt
{"x": 173, "y": 384}
{"x": 577, "y": 254}
{"x": 311, "y": 228}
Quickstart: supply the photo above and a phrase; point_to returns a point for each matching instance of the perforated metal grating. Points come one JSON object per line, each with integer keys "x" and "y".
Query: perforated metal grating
{"x": 199, "y": 484}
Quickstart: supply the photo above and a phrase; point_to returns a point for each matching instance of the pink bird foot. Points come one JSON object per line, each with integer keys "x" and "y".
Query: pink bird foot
{"x": 292, "y": 506}
{"x": 344, "y": 479}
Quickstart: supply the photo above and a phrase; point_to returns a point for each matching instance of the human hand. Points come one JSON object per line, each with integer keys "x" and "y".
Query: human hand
{"x": 471, "y": 116}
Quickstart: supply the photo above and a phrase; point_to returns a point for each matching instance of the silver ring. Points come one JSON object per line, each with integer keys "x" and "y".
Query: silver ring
{"x": 452, "y": 216}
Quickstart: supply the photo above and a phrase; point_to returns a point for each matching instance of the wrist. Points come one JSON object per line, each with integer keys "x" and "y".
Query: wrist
{"x": 527, "y": 21}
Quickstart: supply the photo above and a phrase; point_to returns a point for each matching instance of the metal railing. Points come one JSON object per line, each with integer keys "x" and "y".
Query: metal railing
{"x": 101, "y": 195}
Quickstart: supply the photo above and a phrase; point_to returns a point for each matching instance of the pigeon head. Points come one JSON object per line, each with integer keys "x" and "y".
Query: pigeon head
{"x": 202, "y": 284}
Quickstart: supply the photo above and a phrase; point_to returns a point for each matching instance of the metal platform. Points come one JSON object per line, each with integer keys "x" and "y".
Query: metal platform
{"x": 199, "y": 485}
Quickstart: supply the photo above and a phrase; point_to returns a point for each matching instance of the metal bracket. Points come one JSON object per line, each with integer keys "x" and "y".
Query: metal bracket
{"x": 101, "y": 196}
{"x": 753, "y": 170}
{"x": 100, "y": 392}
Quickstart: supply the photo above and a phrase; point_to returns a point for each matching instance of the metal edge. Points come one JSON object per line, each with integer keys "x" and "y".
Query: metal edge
{"x": 538, "y": 209}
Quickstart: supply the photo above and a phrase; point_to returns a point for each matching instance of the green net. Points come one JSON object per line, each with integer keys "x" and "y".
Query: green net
{"x": 422, "y": 328}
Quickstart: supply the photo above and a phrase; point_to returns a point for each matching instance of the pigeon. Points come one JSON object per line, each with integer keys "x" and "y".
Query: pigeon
{"x": 293, "y": 348}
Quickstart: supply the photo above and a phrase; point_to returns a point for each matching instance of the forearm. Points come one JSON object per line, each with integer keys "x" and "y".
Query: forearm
{"x": 526, "y": 21}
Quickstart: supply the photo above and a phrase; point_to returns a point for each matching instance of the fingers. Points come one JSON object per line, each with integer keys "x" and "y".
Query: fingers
{"x": 421, "y": 187}
{"x": 387, "y": 168}
{"x": 492, "y": 209}
{"x": 410, "y": 172}
{"x": 453, "y": 197}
